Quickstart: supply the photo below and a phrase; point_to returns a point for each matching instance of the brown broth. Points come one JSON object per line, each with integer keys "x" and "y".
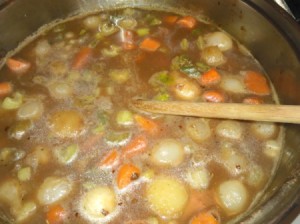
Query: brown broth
{"x": 98, "y": 96}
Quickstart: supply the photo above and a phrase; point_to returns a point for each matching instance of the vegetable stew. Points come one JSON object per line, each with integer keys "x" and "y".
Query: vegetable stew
{"x": 72, "y": 149}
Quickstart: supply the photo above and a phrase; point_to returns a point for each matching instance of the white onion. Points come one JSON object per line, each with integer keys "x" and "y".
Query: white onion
{"x": 213, "y": 56}
{"x": 229, "y": 129}
{"x": 42, "y": 48}
{"x": 53, "y": 189}
{"x": 30, "y": 110}
{"x": 219, "y": 39}
{"x": 197, "y": 128}
{"x": 167, "y": 197}
{"x": 92, "y": 22}
{"x": 60, "y": 90}
{"x": 232, "y": 84}
{"x": 169, "y": 152}
{"x": 99, "y": 202}
{"x": 199, "y": 178}
{"x": 264, "y": 130}
{"x": 235, "y": 162}
{"x": 233, "y": 196}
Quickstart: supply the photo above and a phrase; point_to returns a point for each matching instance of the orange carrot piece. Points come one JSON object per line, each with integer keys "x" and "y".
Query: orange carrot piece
{"x": 5, "y": 88}
{"x": 55, "y": 214}
{"x": 81, "y": 58}
{"x": 127, "y": 174}
{"x": 187, "y": 22}
{"x": 204, "y": 218}
{"x": 210, "y": 77}
{"x": 253, "y": 100}
{"x": 256, "y": 83}
{"x": 149, "y": 44}
{"x": 213, "y": 96}
{"x": 136, "y": 145}
{"x": 18, "y": 66}
{"x": 146, "y": 124}
{"x": 170, "y": 19}
{"x": 110, "y": 159}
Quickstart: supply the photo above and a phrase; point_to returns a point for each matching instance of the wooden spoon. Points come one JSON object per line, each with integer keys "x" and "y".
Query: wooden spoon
{"x": 261, "y": 112}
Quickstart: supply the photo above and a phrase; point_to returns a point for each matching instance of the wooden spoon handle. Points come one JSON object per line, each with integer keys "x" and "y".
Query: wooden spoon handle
{"x": 262, "y": 112}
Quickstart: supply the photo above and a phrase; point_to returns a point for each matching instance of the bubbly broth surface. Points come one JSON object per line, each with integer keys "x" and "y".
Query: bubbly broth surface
{"x": 72, "y": 149}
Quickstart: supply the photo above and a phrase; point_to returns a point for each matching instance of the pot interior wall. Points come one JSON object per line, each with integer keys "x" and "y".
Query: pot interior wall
{"x": 260, "y": 26}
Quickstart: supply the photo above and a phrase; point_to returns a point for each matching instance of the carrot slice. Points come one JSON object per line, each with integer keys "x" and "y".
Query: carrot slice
{"x": 127, "y": 174}
{"x": 81, "y": 58}
{"x": 136, "y": 145}
{"x": 253, "y": 100}
{"x": 5, "y": 88}
{"x": 213, "y": 96}
{"x": 56, "y": 214}
{"x": 146, "y": 124}
{"x": 204, "y": 217}
{"x": 18, "y": 66}
{"x": 210, "y": 77}
{"x": 256, "y": 83}
{"x": 187, "y": 22}
{"x": 110, "y": 159}
{"x": 170, "y": 19}
{"x": 149, "y": 44}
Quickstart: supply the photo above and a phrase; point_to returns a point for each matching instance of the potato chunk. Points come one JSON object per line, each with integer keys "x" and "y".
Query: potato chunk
{"x": 99, "y": 202}
{"x": 66, "y": 124}
{"x": 167, "y": 197}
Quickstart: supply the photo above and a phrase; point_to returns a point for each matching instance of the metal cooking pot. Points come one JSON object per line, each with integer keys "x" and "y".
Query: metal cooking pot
{"x": 269, "y": 32}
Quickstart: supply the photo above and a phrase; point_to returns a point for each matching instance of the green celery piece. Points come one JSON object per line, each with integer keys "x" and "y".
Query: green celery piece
{"x": 143, "y": 31}
{"x": 67, "y": 155}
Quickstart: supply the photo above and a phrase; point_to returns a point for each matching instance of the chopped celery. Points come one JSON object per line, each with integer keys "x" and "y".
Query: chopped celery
{"x": 24, "y": 174}
{"x": 202, "y": 67}
{"x": 103, "y": 122}
{"x": 19, "y": 129}
{"x": 14, "y": 102}
{"x": 148, "y": 174}
{"x": 119, "y": 75}
{"x": 143, "y": 31}
{"x": 162, "y": 97}
{"x": 114, "y": 138}
{"x": 112, "y": 51}
{"x": 124, "y": 117}
{"x": 160, "y": 78}
{"x": 184, "y": 44}
{"x": 185, "y": 65}
{"x": 67, "y": 155}
{"x": 200, "y": 43}
{"x": 155, "y": 21}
